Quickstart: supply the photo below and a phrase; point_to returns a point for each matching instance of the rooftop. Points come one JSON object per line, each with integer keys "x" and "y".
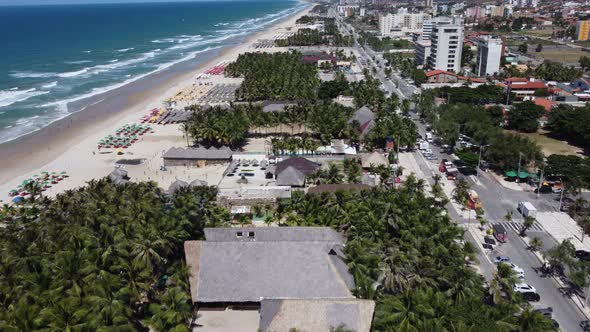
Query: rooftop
{"x": 303, "y": 165}
{"x": 316, "y": 314}
{"x": 198, "y": 153}
{"x": 277, "y": 262}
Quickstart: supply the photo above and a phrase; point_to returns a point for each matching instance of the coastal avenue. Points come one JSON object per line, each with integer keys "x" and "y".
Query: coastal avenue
{"x": 497, "y": 201}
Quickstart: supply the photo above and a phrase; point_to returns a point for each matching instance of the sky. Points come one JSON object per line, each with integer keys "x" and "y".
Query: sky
{"x": 55, "y": 2}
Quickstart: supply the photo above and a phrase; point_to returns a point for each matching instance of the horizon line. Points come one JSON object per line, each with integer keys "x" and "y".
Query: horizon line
{"x": 113, "y": 2}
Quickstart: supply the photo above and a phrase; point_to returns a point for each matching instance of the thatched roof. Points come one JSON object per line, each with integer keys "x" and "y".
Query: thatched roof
{"x": 176, "y": 185}
{"x": 318, "y": 234}
{"x": 303, "y": 165}
{"x": 291, "y": 177}
{"x": 285, "y": 262}
{"x": 322, "y": 188}
{"x": 375, "y": 159}
{"x": 369, "y": 180}
{"x": 316, "y": 314}
{"x": 365, "y": 117}
{"x": 119, "y": 176}
{"x": 199, "y": 153}
{"x": 198, "y": 183}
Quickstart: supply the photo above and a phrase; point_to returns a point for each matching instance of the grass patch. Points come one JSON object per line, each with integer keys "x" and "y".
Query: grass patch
{"x": 562, "y": 55}
{"x": 550, "y": 145}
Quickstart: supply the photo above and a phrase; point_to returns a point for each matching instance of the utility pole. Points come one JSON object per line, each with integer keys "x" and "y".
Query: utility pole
{"x": 540, "y": 180}
{"x": 519, "y": 160}
{"x": 479, "y": 161}
{"x": 561, "y": 194}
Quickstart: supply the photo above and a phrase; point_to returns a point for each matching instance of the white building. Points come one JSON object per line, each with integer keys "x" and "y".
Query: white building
{"x": 489, "y": 52}
{"x": 397, "y": 25}
{"x": 422, "y": 52}
{"x": 428, "y": 24}
{"x": 363, "y": 12}
{"x": 447, "y": 47}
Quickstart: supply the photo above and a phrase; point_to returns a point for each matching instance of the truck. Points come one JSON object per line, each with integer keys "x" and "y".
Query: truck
{"x": 527, "y": 209}
{"x": 423, "y": 145}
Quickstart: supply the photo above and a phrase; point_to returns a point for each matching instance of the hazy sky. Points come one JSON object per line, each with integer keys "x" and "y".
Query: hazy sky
{"x": 53, "y": 2}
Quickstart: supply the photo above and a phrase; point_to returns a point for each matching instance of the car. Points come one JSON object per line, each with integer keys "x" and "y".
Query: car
{"x": 501, "y": 259}
{"x": 547, "y": 312}
{"x": 523, "y": 288}
{"x": 583, "y": 255}
{"x": 531, "y": 296}
{"x": 517, "y": 270}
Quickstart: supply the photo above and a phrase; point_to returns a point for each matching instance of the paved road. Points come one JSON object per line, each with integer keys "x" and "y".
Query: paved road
{"x": 497, "y": 200}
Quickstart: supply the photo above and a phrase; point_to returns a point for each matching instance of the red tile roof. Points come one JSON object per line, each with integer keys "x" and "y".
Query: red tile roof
{"x": 437, "y": 72}
{"x": 516, "y": 79}
{"x": 463, "y": 78}
{"x": 525, "y": 86}
{"x": 547, "y": 104}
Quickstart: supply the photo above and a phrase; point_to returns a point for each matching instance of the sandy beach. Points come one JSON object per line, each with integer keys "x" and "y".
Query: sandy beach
{"x": 70, "y": 144}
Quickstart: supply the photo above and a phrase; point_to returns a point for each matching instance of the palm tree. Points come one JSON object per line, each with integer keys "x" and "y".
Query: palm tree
{"x": 536, "y": 243}
{"x": 527, "y": 224}
{"x": 482, "y": 223}
{"x": 173, "y": 312}
{"x": 584, "y": 223}
{"x": 531, "y": 320}
{"x": 186, "y": 128}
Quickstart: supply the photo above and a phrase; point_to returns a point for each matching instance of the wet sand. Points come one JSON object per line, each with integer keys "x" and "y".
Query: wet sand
{"x": 70, "y": 143}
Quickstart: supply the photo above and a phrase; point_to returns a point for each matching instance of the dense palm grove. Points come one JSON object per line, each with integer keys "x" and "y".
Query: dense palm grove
{"x": 276, "y": 76}
{"x": 101, "y": 258}
{"x": 483, "y": 125}
{"x": 303, "y": 37}
{"x": 407, "y": 255}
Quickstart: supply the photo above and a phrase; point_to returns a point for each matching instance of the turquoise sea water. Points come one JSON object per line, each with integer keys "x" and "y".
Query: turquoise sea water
{"x": 52, "y": 55}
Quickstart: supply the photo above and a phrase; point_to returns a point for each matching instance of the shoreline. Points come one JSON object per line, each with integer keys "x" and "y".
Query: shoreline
{"x": 105, "y": 112}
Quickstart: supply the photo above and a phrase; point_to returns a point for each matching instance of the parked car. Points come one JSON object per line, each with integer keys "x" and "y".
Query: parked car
{"x": 500, "y": 233}
{"x": 547, "y": 312}
{"x": 519, "y": 272}
{"x": 531, "y": 296}
{"x": 583, "y": 255}
{"x": 501, "y": 259}
{"x": 523, "y": 288}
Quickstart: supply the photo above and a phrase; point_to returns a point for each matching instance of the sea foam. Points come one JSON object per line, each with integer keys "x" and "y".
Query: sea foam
{"x": 9, "y": 97}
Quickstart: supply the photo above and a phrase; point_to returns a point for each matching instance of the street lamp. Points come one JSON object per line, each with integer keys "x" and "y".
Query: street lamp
{"x": 519, "y": 160}
{"x": 479, "y": 160}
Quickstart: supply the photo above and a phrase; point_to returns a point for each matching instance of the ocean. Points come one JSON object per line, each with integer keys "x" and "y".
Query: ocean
{"x": 53, "y": 55}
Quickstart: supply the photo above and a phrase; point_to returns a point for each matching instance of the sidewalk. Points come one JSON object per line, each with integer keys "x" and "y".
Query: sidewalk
{"x": 562, "y": 227}
{"x": 500, "y": 180}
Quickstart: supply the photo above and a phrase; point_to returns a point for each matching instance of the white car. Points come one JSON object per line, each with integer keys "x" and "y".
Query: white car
{"x": 524, "y": 288}
{"x": 517, "y": 270}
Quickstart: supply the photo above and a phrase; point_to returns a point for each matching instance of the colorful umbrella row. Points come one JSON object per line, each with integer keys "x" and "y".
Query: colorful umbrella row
{"x": 40, "y": 182}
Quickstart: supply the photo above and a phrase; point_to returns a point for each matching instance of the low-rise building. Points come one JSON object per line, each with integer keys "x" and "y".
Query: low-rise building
{"x": 294, "y": 171}
{"x": 296, "y": 277}
{"x": 198, "y": 156}
{"x": 522, "y": 87}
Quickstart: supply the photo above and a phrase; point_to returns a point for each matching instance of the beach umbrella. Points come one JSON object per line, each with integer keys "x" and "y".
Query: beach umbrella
{"x": 511, "y": 174}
